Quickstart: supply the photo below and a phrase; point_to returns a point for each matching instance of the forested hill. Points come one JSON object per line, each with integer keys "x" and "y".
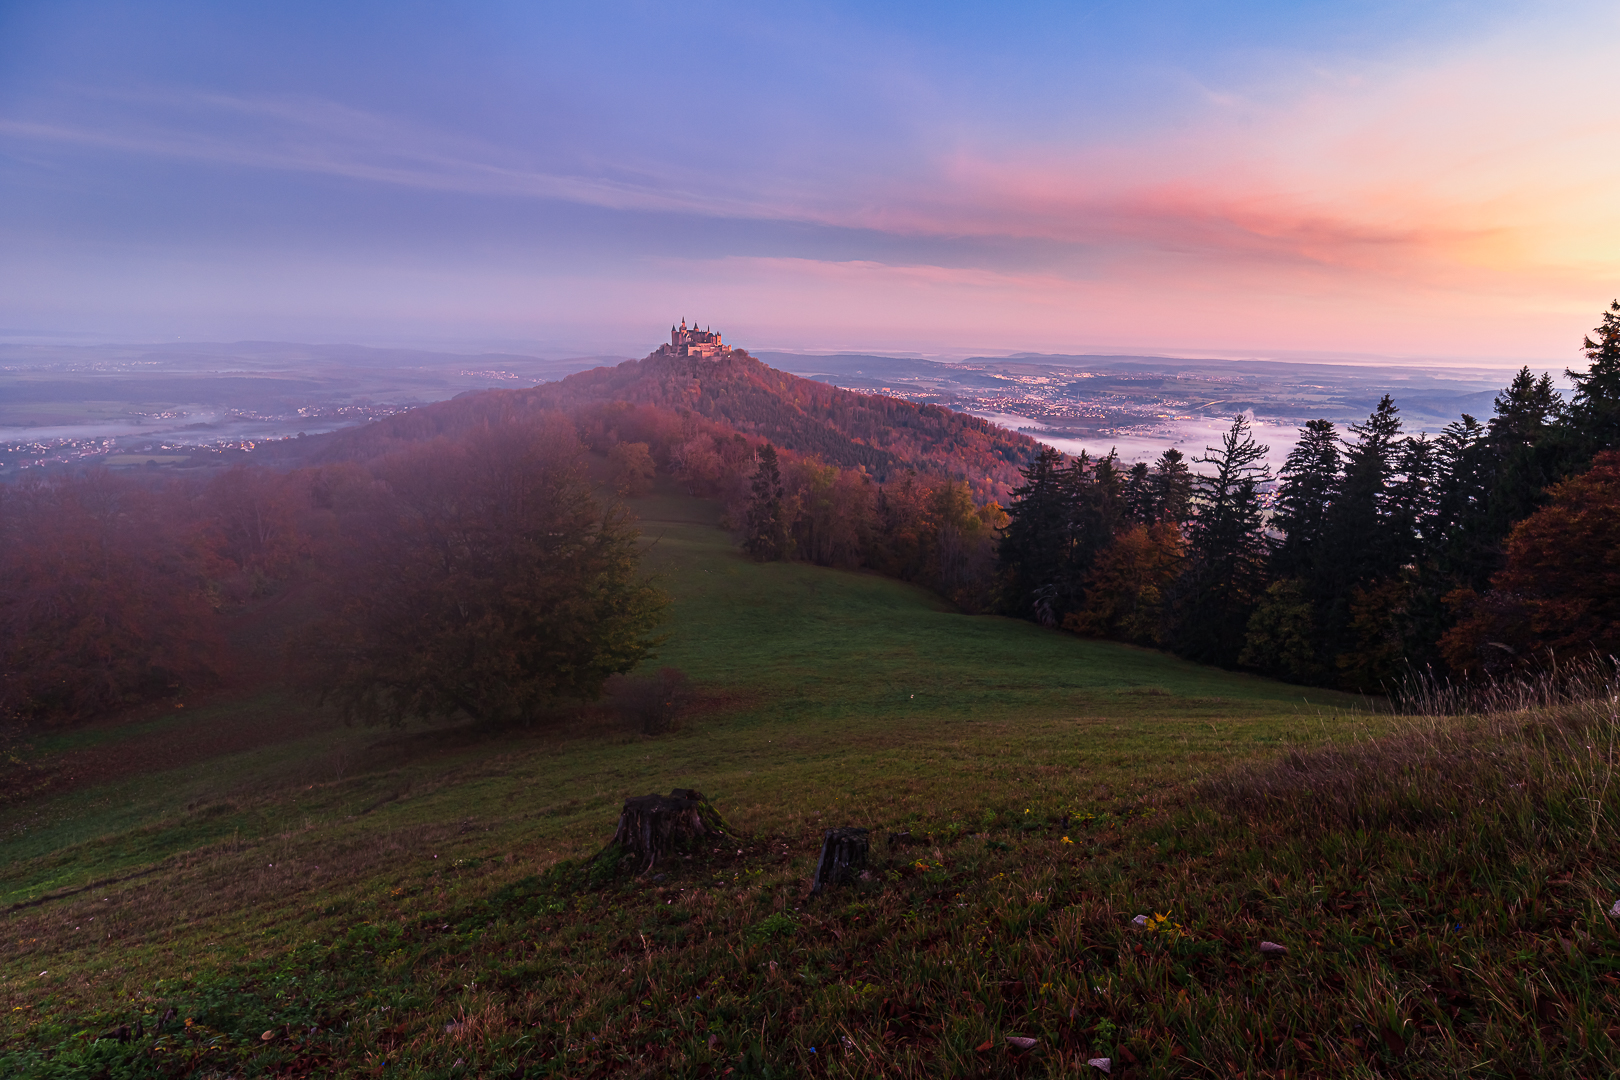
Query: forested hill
{"x": 882, "y": 435}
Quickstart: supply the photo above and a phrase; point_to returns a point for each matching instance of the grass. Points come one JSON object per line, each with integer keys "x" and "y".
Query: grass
{"x": 426, "y": 905}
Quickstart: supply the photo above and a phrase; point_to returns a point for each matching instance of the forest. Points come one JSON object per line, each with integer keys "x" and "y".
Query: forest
{"x": 1375, "y": 556}
{"x": 461, "y": 560}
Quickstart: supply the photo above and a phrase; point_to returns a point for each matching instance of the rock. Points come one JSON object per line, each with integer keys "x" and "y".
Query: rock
{"x": 1615, "y": 911}
{"x": 1140, "y": 920}
{"x": 1021, "y": 1043}
{"x": 1271, "y": 948}
{"x": 1105, "y": 1064}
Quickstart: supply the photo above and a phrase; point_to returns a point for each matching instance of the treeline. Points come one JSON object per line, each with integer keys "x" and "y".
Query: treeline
{"x": 789, "y": 505}
{"x": 480, "y": 577}
{"x": 460, "y": 560}
{"x": 1488, "y": 548}
{"x": 440, "y": 574}
{"x": 110, "y": 586}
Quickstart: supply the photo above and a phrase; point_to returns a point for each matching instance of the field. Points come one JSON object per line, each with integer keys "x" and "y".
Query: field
{"x": 242, "y": 887}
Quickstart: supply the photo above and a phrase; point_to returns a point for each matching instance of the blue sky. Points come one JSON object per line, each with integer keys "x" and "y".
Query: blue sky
{"x": 1372, "y": 179}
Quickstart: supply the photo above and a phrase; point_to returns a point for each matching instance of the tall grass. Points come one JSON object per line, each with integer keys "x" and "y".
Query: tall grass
{"x": 1541, "y": 748}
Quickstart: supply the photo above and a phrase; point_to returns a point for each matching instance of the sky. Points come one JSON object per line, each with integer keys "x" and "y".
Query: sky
{"x": 1356, "y": 180}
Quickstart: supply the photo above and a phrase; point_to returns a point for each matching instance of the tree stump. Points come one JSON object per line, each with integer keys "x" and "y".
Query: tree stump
{"x": 652, "y": 826}
{"x": 843, "y": 855}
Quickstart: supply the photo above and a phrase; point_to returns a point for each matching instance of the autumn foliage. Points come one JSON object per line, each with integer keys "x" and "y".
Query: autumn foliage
{"x": 1559, "y": 594}
{"x": 106, "y": 598}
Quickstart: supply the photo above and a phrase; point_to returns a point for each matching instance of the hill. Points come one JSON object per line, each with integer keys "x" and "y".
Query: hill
{"x": 883, "y": 436}
{"x": 426, "y": 905}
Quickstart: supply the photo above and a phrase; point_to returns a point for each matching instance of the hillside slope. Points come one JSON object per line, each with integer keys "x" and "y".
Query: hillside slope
{"x": 882, "y": 435}
{"x": 427, "y": 906}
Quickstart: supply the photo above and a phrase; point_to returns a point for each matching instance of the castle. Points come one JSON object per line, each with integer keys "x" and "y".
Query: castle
{"x": 694, "y": 342}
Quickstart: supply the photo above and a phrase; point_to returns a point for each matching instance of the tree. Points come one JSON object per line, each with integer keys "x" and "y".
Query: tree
{"x": 1524, "y": 411}
{"x": 1172, "y": 487}
{"x": 479, "y": 579}
{"x": 1361, "y": 545}
{"x": 1311, "y": 478}
{"x": 1126, "y": 590}
{"x": 1525, "y": 458}
{"x": 1227, "y": 548}
{"x": 103, "y": 601}
{"x": 1036, "y": 548}
{"x": 1140, "y": 506}
{"x": 1281, "y": 637}
{"x": 767, "y": 538}
{"x": 633, "y": 470}
{"x": 1594, "y": 408}
{"x": 1558, "y": 596}
{"x": 1461, "y": 544}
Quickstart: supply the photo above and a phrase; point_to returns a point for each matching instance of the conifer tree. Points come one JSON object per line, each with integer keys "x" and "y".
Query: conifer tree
{"x": 767, "y": 536}
{"x": 1227, "y": 548}
{"x": 1311, "y": 478}
{"x": 1138, "y": 494}
{"x": 1036, "y": 544}
{"x": 1594, "y": 408}
{"x": 1461, "y": 544}
{"x": 1359, "y": 546}
{"x": 1172, "y": 487}
{"x": 1526, "y": 460}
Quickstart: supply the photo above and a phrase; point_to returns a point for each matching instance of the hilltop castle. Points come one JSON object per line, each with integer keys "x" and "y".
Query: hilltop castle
{"x": 694, "y": 342}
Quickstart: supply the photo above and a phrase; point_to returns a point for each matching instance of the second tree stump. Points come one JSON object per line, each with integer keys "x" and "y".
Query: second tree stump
{"x": 843, "y": 856}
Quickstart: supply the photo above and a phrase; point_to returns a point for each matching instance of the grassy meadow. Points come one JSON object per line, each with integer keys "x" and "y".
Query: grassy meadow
{"x": 242, "y": 887}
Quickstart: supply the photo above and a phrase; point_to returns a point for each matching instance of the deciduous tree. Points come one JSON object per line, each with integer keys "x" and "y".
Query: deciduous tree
{"x": 481, "y": 580}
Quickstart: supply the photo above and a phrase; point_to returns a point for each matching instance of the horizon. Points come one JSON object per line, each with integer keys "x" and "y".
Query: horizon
{"x": 1372, "y": 184}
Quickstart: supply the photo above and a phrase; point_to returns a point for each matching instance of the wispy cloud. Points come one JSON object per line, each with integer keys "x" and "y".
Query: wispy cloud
{"x": 331, "y": 139}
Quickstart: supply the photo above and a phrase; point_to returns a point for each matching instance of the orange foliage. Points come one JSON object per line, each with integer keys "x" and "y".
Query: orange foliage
{"x": 104, "y": 600}
{"x": 1125, "y": 591}
{"x": 1560, "y": 590}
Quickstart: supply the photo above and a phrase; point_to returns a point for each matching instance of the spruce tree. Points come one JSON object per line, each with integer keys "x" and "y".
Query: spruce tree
{"x": 1140, "y": 506}
{"x": 1036, "y": 543}
{"x": 1526, "y": 460}
{"x": 1311, "y": 478}
{"x": 767, "y": 536}
{"x": 1172, "y": 487}
{"x": 1227, "y": 549}
{"x": 1359, "y": 547}
{"x": 1594, "y": 408}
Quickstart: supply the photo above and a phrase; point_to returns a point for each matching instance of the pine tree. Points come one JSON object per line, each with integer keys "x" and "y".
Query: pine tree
{"x": 1227, "y": 549}
{"x": 1524, "y": 410}
{"x": 1359, "y": 547}
{"x": 1098, "y": 499}
{"x": 1172, "y": 487}
{"x": 1526, "y": 460}
{"x": 1036, "y": 543}
{"x": 1461, "y": 543}
{"x": 1594, "y": 409}
{"x": 1140, "y": 507}
{"x": 1311, "y": 478}
{"x": 767, "y": 536}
